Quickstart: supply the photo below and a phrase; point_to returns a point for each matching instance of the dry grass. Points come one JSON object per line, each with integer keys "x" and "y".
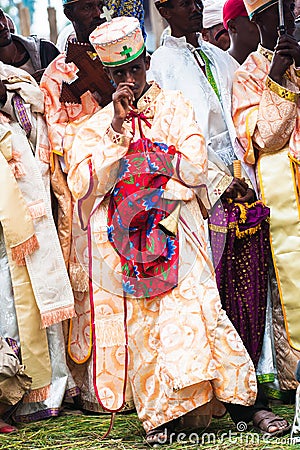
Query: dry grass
{"x": 84, "y": 432}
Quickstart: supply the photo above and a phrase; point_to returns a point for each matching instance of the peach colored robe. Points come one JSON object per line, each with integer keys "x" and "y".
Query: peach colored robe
{"x": 182, "y": 348}
{"x": 63, "y": 121}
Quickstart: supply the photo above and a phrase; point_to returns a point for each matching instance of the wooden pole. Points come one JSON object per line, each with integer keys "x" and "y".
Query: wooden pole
{"x": 24, "y": 17}
{"x": 52, "y": 23}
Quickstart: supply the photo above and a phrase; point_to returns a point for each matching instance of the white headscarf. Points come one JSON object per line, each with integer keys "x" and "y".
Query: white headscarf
{"x": 64, "y": 36}
{"x": 212, "y": 13}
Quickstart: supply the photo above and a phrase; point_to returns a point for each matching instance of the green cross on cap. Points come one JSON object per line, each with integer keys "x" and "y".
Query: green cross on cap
{"x": 126, "y": 51}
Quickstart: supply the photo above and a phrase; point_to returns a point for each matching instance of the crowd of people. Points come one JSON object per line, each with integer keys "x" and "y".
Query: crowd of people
{"x": 149, "y": 216}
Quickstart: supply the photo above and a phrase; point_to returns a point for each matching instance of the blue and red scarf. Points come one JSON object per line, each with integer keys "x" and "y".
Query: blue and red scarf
{"x": 149, "y": 257}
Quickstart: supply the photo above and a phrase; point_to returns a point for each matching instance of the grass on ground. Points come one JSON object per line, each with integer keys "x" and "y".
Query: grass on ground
{"x": 80, "y": 432}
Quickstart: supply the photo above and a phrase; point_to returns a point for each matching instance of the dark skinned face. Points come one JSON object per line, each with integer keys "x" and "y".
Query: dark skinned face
{"x": 268, "y": 20}
{"x": 247, "y": 32}
{"x": 132, "y": 72}
{"x": 184, "y": 16}
{"x": 85, "y": 16}
{"x": 5, "y": 36}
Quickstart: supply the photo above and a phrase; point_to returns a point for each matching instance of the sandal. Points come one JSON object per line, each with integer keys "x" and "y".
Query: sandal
{"x": 6, "y": 428}
{"x": 264, "y": 420}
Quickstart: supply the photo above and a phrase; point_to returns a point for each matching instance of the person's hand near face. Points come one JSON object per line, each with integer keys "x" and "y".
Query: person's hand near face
{"x": 122, "y": 99}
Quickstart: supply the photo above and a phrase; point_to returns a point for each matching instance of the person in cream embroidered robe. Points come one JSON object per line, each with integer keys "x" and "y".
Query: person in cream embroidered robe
{"x": 179, "y": 348}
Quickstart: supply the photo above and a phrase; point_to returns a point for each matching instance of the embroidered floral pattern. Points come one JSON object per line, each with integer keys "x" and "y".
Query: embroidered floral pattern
{"x": 147, "y": 255}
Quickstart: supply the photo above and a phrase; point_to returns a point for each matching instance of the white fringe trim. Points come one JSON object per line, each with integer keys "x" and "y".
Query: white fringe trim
{"x": 110, "y": 331}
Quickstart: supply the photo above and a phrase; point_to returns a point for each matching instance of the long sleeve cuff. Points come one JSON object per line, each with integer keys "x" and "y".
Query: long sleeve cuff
{"x": 282, "y": 91}
{"x": 118, "y": 138}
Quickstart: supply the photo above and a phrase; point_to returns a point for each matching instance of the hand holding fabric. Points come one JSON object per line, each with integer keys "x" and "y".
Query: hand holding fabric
{"x": 249, "y": 197}
{"x": 237, "y": 187}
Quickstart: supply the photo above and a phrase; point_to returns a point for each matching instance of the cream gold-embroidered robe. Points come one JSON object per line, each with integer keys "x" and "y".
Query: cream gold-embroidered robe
{"x": 182, "y": 348}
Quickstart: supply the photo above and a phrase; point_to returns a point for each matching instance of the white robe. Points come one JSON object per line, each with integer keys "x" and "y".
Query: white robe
{"x": 176, "y": 56}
